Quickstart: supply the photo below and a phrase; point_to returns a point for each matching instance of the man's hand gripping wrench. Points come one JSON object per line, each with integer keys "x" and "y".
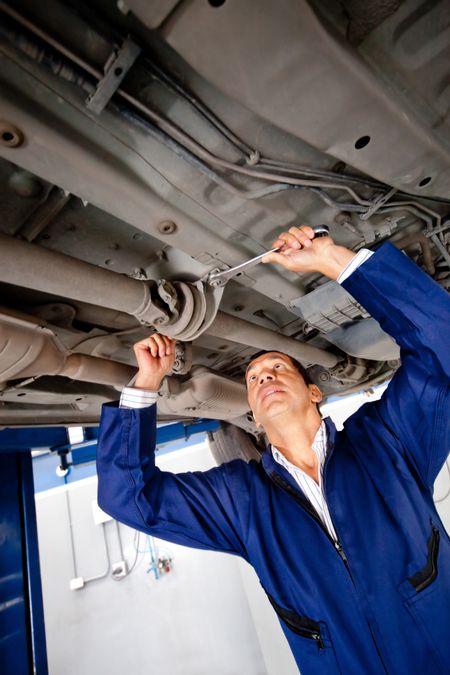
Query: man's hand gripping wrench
{"x": 217, "y": 278}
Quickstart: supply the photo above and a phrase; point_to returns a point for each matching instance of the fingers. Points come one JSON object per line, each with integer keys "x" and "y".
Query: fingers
{"x": 295, "y": 238}
{"x": 158, "y": 345}
{"x": 155, "y": 356}
{"x": 161, "y": 345}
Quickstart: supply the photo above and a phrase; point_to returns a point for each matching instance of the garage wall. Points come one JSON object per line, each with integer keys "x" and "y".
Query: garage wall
{"x": 195, "y": 620}
{"x": 209, "y": 615}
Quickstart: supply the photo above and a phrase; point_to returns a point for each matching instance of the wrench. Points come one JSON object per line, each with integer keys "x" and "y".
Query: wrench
{"x": 217, "y": 278}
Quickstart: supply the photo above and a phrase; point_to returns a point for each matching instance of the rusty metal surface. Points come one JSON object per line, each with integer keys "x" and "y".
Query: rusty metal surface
{"x": 201, "y": 154}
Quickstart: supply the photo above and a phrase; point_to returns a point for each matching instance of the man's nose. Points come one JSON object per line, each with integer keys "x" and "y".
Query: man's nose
{"x": 263, "y": 377}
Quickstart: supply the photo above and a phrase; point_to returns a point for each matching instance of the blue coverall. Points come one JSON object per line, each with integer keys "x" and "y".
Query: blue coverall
{"x": 380, "y": 603}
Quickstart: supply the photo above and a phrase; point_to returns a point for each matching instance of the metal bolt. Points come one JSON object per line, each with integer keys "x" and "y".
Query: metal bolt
{"x": 25, "y": 184}
{"x": 10, "y": 136}
{"x": 167, "y": 227}
{"x": 139, "y": 273}
{"x": 253, "y": 158}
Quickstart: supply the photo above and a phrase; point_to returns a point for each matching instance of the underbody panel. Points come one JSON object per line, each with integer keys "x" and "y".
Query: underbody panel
{"x": 145, "y": 144}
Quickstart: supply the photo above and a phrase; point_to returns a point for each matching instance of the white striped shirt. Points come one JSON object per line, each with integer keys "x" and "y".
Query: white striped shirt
{"x": 313, "y": 491}
{"x": 137, "y": 398}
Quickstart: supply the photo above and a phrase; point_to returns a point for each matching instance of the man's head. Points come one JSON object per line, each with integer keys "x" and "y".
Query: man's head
{"x": 279, "y": 386}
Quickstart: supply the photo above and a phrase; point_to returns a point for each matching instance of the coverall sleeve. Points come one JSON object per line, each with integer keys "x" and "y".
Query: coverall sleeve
{"x": 196, "y": 509}
{"x": 415, "y": 311}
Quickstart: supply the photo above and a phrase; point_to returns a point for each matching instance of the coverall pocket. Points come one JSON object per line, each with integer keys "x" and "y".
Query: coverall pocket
{"x": 427, "y": 599}
{"x": 311, "y": 642}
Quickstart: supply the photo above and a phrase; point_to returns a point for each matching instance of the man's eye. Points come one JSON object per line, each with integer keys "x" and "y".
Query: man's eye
{"x": 278, "y": 365}
{"x": 252, "y": 378}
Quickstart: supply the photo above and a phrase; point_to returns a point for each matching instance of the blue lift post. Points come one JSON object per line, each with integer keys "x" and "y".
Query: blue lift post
{"x": 22, "y": 632}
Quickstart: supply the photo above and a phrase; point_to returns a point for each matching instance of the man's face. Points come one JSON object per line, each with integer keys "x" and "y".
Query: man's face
{"x": 275, "y": 386}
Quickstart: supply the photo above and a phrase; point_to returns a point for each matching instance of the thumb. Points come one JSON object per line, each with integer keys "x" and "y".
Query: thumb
{"x": 276, "y": 258}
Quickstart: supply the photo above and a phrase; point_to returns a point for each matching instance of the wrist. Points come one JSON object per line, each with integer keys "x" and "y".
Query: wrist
{"x": 147, "y": 383}
{"x": 338, "y": 257}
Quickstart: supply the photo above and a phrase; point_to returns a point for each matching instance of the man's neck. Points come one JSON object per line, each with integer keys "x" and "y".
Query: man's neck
{"x": 293, "y": 436}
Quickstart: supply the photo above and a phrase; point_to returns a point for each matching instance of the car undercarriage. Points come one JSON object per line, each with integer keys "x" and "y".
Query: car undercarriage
{"x": 143, "y": 144}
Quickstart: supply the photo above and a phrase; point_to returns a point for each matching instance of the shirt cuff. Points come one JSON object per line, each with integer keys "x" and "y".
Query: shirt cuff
{"x": 362, "y": 255}
{"x": 137, "y": 398}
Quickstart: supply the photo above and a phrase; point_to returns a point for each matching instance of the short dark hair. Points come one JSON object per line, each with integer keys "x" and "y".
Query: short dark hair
{"x": 301, "y": 369}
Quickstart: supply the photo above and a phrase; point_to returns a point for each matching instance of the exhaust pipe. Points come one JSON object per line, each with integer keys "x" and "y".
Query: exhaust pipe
{"x": 30, "y": 349}
{"x": 238, "y": 330}
{"x": 31, "y": 266}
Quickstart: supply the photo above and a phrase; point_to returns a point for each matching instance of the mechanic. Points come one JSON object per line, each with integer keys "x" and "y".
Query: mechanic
{"x": 340, "y": 527}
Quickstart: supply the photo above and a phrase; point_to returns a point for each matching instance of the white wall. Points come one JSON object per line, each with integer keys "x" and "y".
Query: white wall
{"x": 193, "y": 621}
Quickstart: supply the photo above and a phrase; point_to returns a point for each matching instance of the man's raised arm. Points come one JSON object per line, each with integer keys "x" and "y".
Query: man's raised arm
{"x": 415, "y": 311}
{"x": 194, "y": 508}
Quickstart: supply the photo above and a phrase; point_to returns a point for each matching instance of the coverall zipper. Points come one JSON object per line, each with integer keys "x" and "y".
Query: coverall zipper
{"x": 284, "y": 485}
{"x": 344, "y": 557}
{"x": 428, "y": 574}
{"x": 278, "y": 480}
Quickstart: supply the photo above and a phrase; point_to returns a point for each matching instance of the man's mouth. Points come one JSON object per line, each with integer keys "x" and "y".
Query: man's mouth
{"x": 269, "y": 392}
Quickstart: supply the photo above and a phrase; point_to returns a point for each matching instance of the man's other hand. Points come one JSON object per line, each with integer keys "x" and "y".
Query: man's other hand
{"x": 301, "y": 252}
{"x": 155, "y": 357}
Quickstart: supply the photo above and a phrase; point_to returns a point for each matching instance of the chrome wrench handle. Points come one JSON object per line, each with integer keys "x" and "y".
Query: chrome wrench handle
{"x": 217, "y": 278}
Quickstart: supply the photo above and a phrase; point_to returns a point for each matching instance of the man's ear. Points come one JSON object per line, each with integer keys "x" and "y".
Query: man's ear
{"x": 315, "y": 393}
